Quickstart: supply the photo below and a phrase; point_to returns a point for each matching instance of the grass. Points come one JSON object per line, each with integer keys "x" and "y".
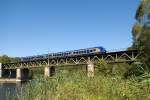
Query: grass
{"x": 77, "y": 86}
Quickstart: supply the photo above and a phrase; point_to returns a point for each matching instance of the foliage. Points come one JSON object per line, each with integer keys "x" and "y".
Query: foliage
{"x": 103, "y": 67}
{"x": 77, "y": 86}
{"x": 113, "y": 69}
{"x": 6, "y": 59}
{"x": 141, "y": 32}
{"x": 135, "y": 70}
{"x": 145, "y": 46}
{"x": 140, "y": 10}
{"x": 36, "y": 73}
{"x": 136, "y": 29}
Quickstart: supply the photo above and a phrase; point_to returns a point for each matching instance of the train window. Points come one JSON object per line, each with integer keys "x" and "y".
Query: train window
{"x": 62, "y": 54}
{"x": 94, "y": 49}
{"x": 50, "y": 55}
{"x": 80, "y": 52}
{"x": 67, "y": 53}
{"x": 75, "y": 52}
{"x": 59, "y": 54}
{"x": 91, "y": 50}
{"x": 88, "y": 51}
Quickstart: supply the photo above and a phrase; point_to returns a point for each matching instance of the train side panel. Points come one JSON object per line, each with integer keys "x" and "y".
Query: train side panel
{"x": 67, "y": 53}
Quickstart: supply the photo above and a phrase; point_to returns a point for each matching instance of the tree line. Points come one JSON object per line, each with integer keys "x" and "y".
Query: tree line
{"x": 6, "y": 59}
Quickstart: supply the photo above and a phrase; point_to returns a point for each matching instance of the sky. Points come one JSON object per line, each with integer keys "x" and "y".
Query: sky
{"x": 33, "y": 27}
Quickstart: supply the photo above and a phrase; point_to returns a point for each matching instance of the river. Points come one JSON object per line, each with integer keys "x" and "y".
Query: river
{"x": 8, "y": 90}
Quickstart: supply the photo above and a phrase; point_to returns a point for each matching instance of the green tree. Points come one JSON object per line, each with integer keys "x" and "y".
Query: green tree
{"x": 141, "y": 31}
{"x": 137, "y": 28}
{"x": 5, "y": 59}
{"x": 145, "y": 45}
{"x": 140, "y": 10}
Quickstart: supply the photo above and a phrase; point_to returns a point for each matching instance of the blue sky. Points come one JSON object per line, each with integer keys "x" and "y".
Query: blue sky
{"x": 30, "y": 27}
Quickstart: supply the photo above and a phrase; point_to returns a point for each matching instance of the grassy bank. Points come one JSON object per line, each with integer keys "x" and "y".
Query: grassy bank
{"x": 77, "y": 86}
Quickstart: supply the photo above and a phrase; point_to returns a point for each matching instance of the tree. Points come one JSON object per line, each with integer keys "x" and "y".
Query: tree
{"x": 140, "y": 10}
{"x": 141, "y": 31}
{"x": 137, "y": 28}
{"x": 6, "y": 59}
{"x": 145, "y": 45}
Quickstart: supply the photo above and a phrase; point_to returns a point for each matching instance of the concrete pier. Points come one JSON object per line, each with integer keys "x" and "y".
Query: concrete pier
{"x": 0, "y": 70}
{"x": 18, "y": 74}
{"x": 90, "y": 70}
{"x": 47, "y": 71}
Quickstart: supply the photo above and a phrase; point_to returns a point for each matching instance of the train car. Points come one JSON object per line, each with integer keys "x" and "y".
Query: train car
{"x": 94, "y": 50}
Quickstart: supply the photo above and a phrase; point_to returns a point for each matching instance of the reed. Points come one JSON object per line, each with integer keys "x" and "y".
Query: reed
{"x": 77, "y": 86}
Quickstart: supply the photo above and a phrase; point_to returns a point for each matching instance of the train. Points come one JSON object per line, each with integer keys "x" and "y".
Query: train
{"x": 87, "y": 51}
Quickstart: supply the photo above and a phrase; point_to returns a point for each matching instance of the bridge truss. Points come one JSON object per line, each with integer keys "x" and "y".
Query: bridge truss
{"x": 110, "y": 58}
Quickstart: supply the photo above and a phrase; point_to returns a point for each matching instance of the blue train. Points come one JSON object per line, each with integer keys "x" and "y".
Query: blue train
{"x": 94, "y": 50}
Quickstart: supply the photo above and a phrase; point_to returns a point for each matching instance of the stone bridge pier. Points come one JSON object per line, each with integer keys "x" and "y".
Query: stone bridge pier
{"x": 90, "y": 68}
{"x": 18, "y": 74}
{"x": 22, "y": 74}
{"x": 49, "y": 71}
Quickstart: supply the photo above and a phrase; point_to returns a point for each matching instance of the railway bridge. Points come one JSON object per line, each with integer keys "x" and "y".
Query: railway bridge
{"x": 90, "y": 60}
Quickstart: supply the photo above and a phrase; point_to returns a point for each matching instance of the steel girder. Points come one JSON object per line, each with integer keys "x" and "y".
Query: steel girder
{"x": 111, "y": 57}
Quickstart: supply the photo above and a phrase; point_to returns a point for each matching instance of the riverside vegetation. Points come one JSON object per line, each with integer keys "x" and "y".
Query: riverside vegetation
{"x": 107, "y": 84}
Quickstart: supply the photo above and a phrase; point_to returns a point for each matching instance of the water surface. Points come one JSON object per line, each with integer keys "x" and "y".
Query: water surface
{"x": 8, "y": 90}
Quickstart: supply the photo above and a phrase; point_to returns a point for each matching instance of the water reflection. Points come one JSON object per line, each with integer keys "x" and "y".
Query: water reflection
{"x": 8, "y": 90}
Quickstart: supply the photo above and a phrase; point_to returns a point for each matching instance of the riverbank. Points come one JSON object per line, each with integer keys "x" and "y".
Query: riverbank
{"x": 11, "y": 80}
{"x": 8, "y": 80}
